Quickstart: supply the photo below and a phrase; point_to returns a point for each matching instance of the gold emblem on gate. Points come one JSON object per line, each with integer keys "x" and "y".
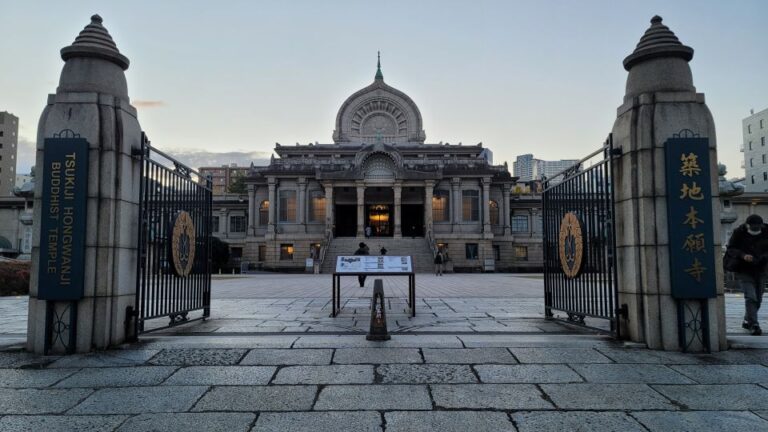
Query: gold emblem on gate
{"x": 571, "y": 245}
{"x": 183, "y": 244}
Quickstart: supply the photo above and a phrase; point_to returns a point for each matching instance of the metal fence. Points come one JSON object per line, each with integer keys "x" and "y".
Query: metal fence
{"x": 174, "y": 265}
{"x": 580, "y": 276}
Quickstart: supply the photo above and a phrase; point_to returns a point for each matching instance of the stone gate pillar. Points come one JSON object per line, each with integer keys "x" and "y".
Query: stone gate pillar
{"x": 91, "y": 103}
{"x": 660, "y": 102}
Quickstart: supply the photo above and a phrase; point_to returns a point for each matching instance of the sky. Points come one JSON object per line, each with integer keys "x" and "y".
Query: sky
{"x": 541, "y": 77}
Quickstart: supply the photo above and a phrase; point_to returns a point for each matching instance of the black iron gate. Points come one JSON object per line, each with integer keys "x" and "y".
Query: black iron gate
{"x": 580, "y": 276}
{"x": 174, "y": 265}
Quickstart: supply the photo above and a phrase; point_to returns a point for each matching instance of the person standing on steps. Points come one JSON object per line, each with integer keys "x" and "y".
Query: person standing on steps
{"x": 747, "y": 256}
{"x": 383, "y": 251}
{"x": 439, "y": 260}
{"x": 362, "y": 250}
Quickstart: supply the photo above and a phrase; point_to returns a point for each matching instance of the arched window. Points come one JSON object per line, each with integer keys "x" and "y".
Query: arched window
{"x": 494, "y": 207}
{"x": 264, "y": 213}
{"x": 379, "y": 167}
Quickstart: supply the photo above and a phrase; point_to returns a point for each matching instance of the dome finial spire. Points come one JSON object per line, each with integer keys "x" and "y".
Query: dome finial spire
{"x": 379, "y": 75}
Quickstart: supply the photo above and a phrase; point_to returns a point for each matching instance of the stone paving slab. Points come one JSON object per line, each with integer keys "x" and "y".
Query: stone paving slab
{"x": 578, "y": 421}
{"x": 246, "y": 342}
{"x": 34, "y": 401}
{"x": 399, "y": 341}
{"x": 701, "y": 421}
{"x": 376, "y": 355}
{"x": 425, "y": 374}
{"x": 119, "y": 377}
{"x": 106, "y": 359}
{"x": 49, "y": 423}
{"x": 447, "y": 421}
{"x": 198, "y": 357}
{"x": 222, "y": 375}
{"x": 140, "y": 400}
{"x": 724, "y": 374}
{"x": 630, "y": 374}
{"x": 15, "y": 359}
{"x": 265, "y": 356}
{"x": 483, "y": 396}
{"x": 606, "y": 397}
{"x": 645, "y": 356}
{"x": 359, "y": 421}
{"x": 208, "y": 422}
{"x": 559, "y": 355}
{"x": 468, "y": 356}
{"x": 258, "y": 398}
{"x": 763, "y": 414}
{"x": 717, "y": 397}
{"x": 32, "y": 378}
{"x": 334, "y": 374}
{"x": 375, "y": 397}
{"x": 527, "y": 373}
{"x": 531, "y": 341}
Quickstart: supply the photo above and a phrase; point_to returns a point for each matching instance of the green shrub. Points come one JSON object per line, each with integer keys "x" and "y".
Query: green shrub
{"x": 14, "y": 278}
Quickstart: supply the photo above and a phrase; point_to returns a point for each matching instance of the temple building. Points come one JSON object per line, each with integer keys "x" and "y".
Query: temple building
{"x": 381, "y": 182}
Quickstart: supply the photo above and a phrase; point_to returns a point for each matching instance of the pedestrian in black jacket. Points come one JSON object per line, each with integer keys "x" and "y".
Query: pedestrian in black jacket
{"x": 362, "y": 250}
{"x": 747, "y": 256}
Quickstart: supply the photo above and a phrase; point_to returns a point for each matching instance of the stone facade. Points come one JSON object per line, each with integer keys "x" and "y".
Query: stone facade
{"x": 381, "y": 174}
{"x": 16, "y": 227}
{"x": 9, "y": 140}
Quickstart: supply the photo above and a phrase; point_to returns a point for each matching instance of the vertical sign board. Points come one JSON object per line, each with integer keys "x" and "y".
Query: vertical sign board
{"x": 689, "y": 212}
{"x": 62, "y": 219}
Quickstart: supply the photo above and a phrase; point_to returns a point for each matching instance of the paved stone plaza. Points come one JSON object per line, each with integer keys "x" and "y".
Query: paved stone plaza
{"x": 478, "y": 356}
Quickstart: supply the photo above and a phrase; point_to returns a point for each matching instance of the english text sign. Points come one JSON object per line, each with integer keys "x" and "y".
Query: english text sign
{"x": 690, "y": 222}
{"x": 63, "y": 218}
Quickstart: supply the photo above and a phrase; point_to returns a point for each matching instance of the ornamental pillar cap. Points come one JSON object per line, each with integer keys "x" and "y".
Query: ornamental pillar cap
{"x": 95, "y": 42}
{"x": 658, "y": 41}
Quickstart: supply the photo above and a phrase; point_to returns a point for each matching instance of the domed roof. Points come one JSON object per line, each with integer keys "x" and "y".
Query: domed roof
{"x": 95, "y": 41}
{"x": 5, "y": 243}
{"x": 378, "y": 113}
{"x": 658, "y": 41}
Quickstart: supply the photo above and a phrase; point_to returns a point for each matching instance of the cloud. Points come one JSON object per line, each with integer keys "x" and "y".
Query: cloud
{"x": 195, "y": 158}
{"x": 141, "y": 103}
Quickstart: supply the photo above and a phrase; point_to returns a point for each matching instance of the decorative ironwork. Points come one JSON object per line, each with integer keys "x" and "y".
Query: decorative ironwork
{"x": 580, "y": 276}
{"x": 685, "y": 133}
{"x": 66, "y": 133}
{"x": 60, "y": 326}
{"x": 174, "y": 266}
{"x": 693, "y": 324}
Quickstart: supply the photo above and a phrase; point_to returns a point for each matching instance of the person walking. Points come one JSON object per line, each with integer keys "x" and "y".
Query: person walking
{"x": 362, "y": 250}
{"x": 747, "y": 256}
{"x": 367, "y": 231}
{"x": 439, "y": 260}
{"x": 383, "y": 251}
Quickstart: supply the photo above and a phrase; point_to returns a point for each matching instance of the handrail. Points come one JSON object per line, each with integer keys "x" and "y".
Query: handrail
{"x": 431, "y": 242}
{"x": 324, "y": 247}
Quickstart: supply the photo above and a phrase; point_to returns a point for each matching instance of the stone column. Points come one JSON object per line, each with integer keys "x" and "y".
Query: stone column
{"x": 505, "y": 208}
{"x": 91, "y": 102}
{"x": 398, "y": 192}
{"x": 301, "y": 203}
{"x": 429, "y": 190}
{"x": 360, "y": 210}
{"x": 251, "y": 209}
{"x": 455, "y": 203}
{"x": 487, "y": 206}
{"x": 272, "y": 186}
{"x": 660, "y": 101}
{"x": 329, "y": 208}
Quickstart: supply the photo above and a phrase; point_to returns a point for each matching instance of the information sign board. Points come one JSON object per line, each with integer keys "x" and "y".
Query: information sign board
{"x": 374, "y": 264}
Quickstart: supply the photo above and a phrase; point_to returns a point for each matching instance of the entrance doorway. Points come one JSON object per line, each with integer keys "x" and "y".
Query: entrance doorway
{"x": 413, "y": 220}
{"x": 380, "y": 219}
{"x": 346, "y": 220}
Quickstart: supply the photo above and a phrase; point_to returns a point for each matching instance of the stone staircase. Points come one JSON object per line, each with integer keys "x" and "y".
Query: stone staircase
{"x": 418, "y": 248}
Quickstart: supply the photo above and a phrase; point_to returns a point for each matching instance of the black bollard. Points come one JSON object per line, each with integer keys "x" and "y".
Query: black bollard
{"x": 378, "y": 331}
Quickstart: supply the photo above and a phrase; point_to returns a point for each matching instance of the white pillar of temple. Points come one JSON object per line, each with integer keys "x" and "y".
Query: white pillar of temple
{"x": 251, "y": 209}
{"x": 398, "y": 190}
{"x": 429, "y": 190}
{"x": 272, "y": 184}
{"x": 301, "y": 202}
{"x": 506, "y": 215}
{"x": 487, "y": 206}
{"x": 455, "y": 203}
{"x": 329, "y": 208}
{"x": 360, "y": 209}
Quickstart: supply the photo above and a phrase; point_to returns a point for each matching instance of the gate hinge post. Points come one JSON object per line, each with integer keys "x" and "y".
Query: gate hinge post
{"x": 616, "y": 151}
